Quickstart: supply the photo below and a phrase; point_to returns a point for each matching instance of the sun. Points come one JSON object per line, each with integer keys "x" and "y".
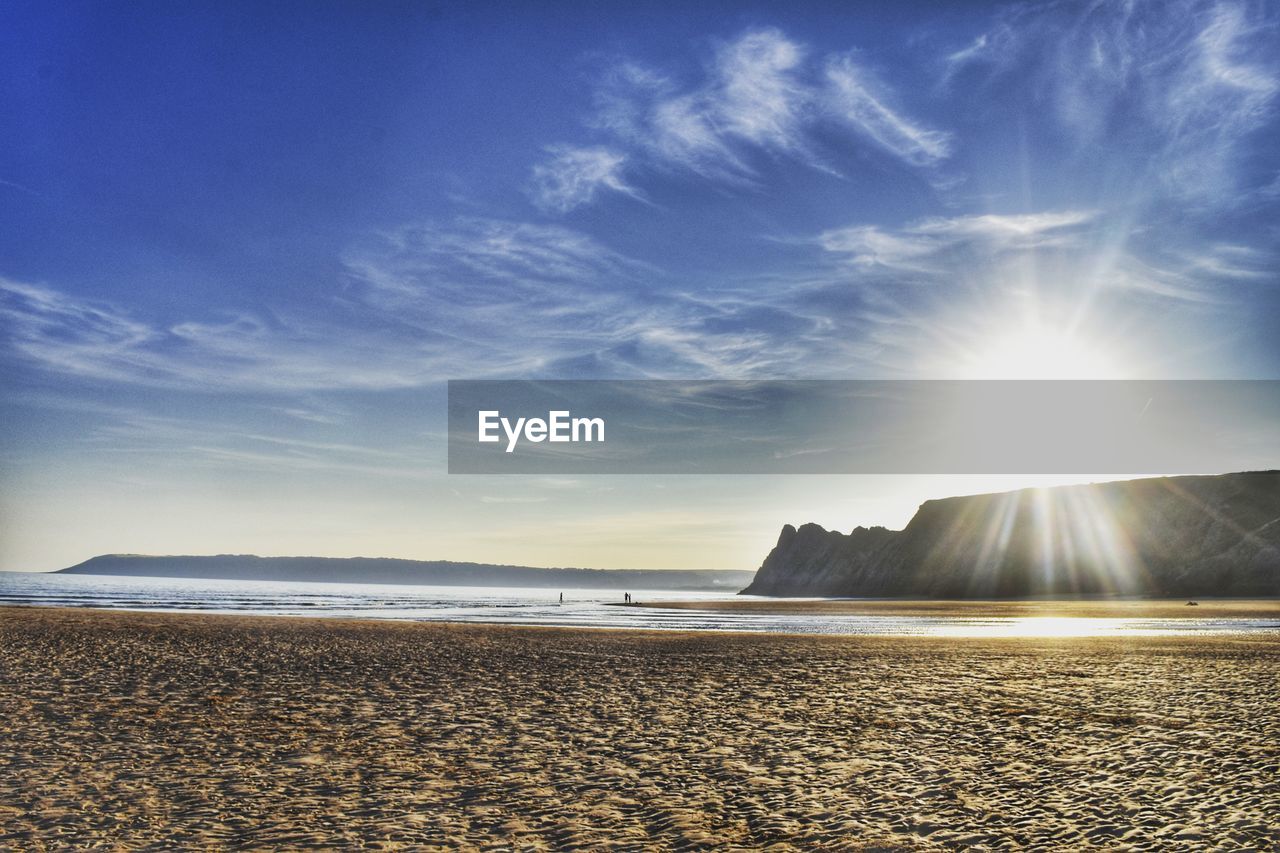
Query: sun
{"x": 1040, "y": 353}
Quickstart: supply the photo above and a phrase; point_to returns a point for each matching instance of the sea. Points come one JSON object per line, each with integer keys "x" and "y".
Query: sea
{"x": 581, "y": 608}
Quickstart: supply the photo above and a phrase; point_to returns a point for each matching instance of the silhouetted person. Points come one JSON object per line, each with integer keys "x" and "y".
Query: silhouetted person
{"x": 562, "y": 598}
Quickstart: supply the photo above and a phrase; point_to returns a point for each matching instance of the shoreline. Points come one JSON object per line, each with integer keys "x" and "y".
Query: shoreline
{"x": 1205, "y": 608}
{"x": 968, "y": 620}
{"x": 1215, "y": 612}
{"x": 264, "y": 621}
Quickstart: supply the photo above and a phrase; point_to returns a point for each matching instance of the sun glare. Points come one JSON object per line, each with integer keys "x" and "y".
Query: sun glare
{"x": 1046, "y": 627}
{"x": 1040, "y": 354}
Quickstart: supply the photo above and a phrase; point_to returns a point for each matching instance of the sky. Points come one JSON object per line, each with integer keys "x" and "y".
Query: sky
{"x": 243, "y": 246}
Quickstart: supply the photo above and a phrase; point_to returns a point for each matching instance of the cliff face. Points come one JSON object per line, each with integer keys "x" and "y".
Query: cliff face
{"x": 1170, "y": 536}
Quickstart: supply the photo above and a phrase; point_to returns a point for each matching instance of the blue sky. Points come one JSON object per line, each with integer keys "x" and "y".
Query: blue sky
{"x": 242, "y": 246}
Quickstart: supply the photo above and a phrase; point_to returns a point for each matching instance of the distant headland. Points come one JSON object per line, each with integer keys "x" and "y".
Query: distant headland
{"x": 396, "y": 571}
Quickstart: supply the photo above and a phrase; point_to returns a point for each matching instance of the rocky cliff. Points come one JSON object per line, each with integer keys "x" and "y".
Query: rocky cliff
{"x": 1168, "y": 536}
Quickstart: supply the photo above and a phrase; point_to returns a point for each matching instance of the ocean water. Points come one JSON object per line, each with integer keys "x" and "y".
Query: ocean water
{"x": 584, "y": 608}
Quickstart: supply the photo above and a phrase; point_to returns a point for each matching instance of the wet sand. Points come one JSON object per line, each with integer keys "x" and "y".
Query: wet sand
{"x": 1209, "y": 608}
{"x": 128, "y": 729}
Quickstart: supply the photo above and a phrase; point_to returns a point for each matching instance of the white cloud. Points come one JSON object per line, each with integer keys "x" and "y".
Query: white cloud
{"x": 762, "y": 94}
{"x": 758, "y": 94}
{"x": 668, "y": 128}
{"x": 477, "y": 297}
{"x": 974, "y": 51}
{"x": 939, "y": 288}
{"x": 468, "y": 298}
{"x": 574, "y": 176}
{"x": 853, "y": 98}
{"x": 1158, "y": 282}
{"x": 1023, "y": 229}
{"x": 916, "y": 247}
{"x": 515, "y": 299}
{"x": 67, "y": 333}
{"x": 424, "y": 303}
{"x": 97, "y": 341}
{"x": 867, "y": 245}
{"x": 1226, "y": 260}
{"x": 1210, "y": 274}
{"x": 1164, "y": 93}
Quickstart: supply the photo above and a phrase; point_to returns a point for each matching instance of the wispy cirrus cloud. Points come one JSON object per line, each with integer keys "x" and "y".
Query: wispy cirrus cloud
{"x": 224, "y": 439}
{"x": 1212, "y": 274}
{"x": 759, "y": 93}
{"x": 474, "y": 297}
{"x": 858, "y": 99}
{"x": 517, "y": 299}
{"x": 1022, "y": 229}
{"x": 762, "y": 94}
{"x": 426, "y": 302}
{"x": 939, "y": 290}
{"x": 1096, "y": 249}
{"x": 95, "y": 340}
{"x": 919, "y": 246}
{"x": 1175, "y": 88}
{"x": 575, "y": 176}
{"x": 465, "y": 257}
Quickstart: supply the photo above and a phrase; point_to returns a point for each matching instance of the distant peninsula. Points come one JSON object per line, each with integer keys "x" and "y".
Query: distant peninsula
{"x": 1159, "y": 537}
{"x": 248, "y": 567}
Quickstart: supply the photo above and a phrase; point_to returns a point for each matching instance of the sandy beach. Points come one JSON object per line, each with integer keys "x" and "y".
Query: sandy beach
{"x": 135, "y": 730}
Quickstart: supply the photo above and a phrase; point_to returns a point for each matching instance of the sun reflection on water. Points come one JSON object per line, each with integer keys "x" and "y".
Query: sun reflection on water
{"x": 1040, "y": 626}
